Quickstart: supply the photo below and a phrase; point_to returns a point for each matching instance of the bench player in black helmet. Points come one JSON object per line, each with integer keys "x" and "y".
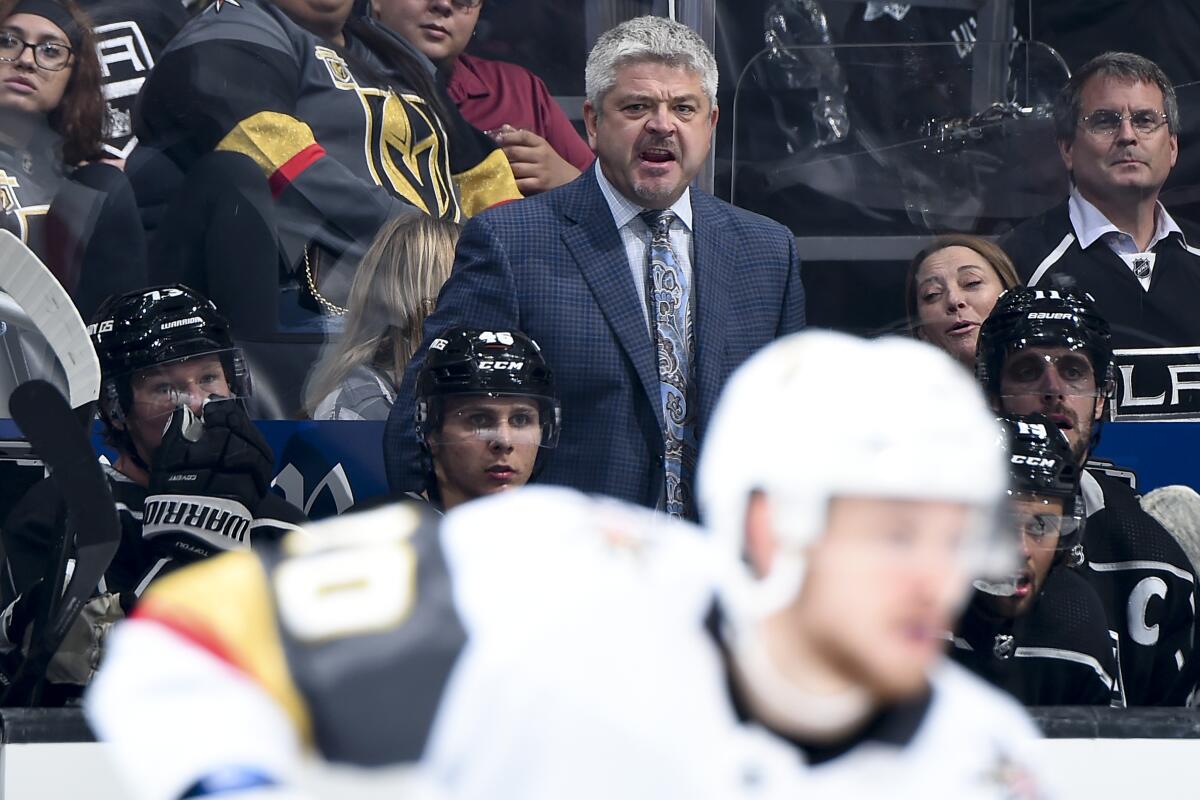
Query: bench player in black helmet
{"x": 1042, "y": 633}
{"x": 192, "y": 472}
{"x": 486, "y": 408}
{"x": 1049, "y": 352}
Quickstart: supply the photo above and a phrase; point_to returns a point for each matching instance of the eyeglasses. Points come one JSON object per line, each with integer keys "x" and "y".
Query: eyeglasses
{"x": 465, "y": 5}
{"x": 1106, "y": 122}
{"x": 52, "y": 56}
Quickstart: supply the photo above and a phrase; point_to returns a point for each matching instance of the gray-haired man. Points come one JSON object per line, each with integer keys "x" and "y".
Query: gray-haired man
{"x": 1117, "y": 124}
{"x": 644, "y": 292}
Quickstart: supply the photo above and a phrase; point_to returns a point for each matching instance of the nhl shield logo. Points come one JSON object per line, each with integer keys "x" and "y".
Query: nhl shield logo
{"x": 1003, "y": 646}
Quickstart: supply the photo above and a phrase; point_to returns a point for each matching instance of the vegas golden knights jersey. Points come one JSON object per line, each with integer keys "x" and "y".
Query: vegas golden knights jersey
{"x": 537, "y": 645}
{"x": 30, "y": 176}
{"x": 341, "y": 148}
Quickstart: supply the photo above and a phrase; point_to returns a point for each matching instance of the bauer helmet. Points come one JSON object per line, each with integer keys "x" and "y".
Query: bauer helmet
{"x": 1024, "y": 317}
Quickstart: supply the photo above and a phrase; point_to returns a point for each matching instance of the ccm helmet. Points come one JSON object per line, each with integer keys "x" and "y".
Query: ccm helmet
{"x": 151, "y": 327}
{"x": 468, "y": 361}
{"x": 1041, "y": 465}
{"x": 806, "y": 420}
{"x": 1024, "y": 317}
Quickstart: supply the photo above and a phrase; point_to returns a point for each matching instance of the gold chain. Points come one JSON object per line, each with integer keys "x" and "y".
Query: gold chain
{"x": 335, "y": 310}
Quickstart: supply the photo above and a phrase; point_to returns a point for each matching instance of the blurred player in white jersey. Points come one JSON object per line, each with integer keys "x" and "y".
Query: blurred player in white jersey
{"x": 543, "y": 644}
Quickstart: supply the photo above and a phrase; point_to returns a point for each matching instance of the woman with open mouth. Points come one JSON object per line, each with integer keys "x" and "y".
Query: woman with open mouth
{"x": 950, "y": 289}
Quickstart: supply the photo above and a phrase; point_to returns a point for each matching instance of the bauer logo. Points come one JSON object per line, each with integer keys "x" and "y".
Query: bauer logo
{"x": 1157, "y": 384}
{"x": 1050, "y": 315}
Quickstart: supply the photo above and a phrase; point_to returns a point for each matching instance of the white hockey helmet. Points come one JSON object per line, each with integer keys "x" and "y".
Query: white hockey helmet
{"x": 819, "y": 415}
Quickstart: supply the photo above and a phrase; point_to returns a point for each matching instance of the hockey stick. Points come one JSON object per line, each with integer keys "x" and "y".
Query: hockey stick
{"x": 52, "y": 428}
{"x": 25, "y": 278}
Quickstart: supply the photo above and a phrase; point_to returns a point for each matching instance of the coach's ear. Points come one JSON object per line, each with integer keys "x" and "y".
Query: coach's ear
{"x": 591, "y": 119}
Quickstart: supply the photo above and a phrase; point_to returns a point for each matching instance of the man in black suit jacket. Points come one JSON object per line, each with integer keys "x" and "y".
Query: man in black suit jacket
{"x": 570, "y": 268}
{"x": 1117, "y": 122}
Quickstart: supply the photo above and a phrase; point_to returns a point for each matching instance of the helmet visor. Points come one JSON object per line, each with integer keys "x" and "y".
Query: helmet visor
{"x": 1036, "y": 372}
{"x": 511, "y": 420}
{"x": 155, "y": 392}
{"x": 1041, "y": 522}
{"x": 1039, "y": 529}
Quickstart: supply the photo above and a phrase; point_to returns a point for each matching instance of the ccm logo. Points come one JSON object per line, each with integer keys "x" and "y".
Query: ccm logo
{"x": 501, "y": 366}
{"x": 1033, "y": 461}
{"x": 1050, "y": 315}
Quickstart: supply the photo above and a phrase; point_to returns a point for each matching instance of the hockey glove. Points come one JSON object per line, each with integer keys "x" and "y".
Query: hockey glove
{"x": 208, "y": 479}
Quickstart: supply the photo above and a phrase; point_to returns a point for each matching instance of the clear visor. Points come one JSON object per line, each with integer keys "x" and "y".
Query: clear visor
{"x": 913, "y": 534}
{"x": 1027, "y": 372}
{"x": 157, "y": 391}
{"x": 1035, "y": 524}
{"x": 498, "y": 420}
{"x": 1045, "y": 528}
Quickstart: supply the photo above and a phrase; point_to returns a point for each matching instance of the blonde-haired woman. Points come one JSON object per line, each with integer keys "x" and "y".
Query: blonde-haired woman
{"x": 394, "y": 290}
{"x": 951, "y": 288}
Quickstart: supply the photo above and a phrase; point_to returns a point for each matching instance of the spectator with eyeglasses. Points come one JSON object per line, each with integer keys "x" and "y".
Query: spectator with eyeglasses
{"x": 76, "y": 213}
{"x": 1117, "y": 124}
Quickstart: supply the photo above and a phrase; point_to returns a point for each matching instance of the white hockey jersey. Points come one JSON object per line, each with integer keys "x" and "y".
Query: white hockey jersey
{"x": 569, "y": 659}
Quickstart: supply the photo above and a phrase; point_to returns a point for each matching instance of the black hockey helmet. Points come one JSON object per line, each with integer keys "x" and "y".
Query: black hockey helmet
{"x": 469, "y": 361}
{"x": 1041, "y": 465}
{"x": 1024, "y": 317}
{"x": 151, "y": 327}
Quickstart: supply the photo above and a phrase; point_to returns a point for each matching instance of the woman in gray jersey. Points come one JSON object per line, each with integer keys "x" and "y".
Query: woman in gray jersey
{"x": 77, "y": 214}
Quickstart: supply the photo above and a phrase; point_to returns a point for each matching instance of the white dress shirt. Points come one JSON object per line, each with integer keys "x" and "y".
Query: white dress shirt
{"x": 636, "y": 236}
{"x": 1090, "y": 224}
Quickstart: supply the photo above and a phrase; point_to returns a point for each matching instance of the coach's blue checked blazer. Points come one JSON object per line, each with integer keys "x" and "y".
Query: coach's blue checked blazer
{"x": 554, "y": 267}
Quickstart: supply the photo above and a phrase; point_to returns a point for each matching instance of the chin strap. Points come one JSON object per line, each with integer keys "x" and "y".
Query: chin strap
{"x": 782, "y": 705}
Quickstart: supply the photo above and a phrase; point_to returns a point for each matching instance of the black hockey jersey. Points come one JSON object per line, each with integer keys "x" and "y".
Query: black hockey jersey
{"x": 1059, "y": 653}
{"x": 31, "y": 529}
{"x": 130, "y": 37}
{"x": 1147, "y": 586}
{"x": 1047, "y": 255}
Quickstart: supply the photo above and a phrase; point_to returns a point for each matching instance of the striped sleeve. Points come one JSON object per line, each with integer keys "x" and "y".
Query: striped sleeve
{"x": 223, "y": 605}
{"x": 282, "y": 146}
{"x": 486, "y": 184}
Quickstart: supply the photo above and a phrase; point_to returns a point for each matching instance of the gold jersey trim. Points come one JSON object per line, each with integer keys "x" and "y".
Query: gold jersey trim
{"x": 487, "y": 183}
{"x": 226, "y": 606}
{"x": 269, "y": 138}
